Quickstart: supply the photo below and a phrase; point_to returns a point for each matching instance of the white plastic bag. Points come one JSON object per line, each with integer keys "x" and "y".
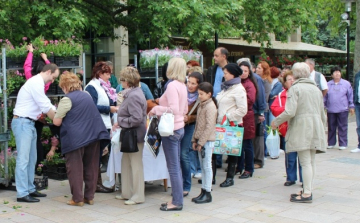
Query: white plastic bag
{"x": 115, "y": 140}
{"x": 273, "y": 144}
{"x": 166, "y": 124}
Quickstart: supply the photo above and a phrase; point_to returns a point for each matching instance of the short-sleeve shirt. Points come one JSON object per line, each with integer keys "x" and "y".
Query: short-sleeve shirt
{"x": 323, "y": 82}
{"x": 63, "y": 108}
{"x": 218, "y": 80}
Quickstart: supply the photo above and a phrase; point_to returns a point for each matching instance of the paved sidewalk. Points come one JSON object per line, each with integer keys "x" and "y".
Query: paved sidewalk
{"x": 262, "y": 198}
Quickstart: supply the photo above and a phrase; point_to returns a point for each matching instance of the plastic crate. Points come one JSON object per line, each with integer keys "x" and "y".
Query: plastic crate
{"x": 67, "y": 61}
{"x": 56, "y": 172}
{"x": 41, "y": 183}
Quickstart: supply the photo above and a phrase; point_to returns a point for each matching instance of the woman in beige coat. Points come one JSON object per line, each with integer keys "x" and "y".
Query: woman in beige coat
{"x": 304, "y": 111}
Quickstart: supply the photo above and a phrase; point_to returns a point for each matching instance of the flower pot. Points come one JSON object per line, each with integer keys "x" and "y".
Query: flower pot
{"x": 67, "y": 61}
{"x": 41, "y": 183}
{"x": 15, "y": 62}
{"x": 56, "y": 172}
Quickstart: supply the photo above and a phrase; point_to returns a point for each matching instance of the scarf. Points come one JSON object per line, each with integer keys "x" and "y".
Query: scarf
{"x": 111, "y": 92}
{"x": 125, "y": 92}
{"x": 227, "y": 84}
{"x": 192, "y": 97}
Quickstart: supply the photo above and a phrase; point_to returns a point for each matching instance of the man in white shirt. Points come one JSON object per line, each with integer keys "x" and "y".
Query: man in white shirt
{"x": 30, "y": 104}
{"x": 319, "y": 78}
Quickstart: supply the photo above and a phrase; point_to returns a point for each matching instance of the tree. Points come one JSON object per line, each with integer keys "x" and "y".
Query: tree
{"x": 197, "y": 20}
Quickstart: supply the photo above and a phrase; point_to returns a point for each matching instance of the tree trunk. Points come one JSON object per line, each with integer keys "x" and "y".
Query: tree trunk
{"x": 357, "y": 40}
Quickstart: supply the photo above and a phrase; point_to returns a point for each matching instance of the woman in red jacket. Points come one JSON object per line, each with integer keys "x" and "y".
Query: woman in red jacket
{"x": 277, "y": 107}
{"x": 247, "y": 154}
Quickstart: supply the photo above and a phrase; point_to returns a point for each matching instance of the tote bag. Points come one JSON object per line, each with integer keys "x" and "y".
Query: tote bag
{"x": 152, "y": 137}
{"x": 229, "y": 138}
{"x": 166, "y": 124}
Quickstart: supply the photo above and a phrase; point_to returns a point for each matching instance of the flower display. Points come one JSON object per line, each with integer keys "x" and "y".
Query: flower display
{"x": 148, "y": 57}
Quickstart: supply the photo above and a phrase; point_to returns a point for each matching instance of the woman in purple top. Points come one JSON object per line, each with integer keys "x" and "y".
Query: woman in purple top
{"x": 338, "y": 102}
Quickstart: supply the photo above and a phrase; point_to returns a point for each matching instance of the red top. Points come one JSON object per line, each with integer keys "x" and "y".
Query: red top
{"x": 277, "y": 107}
{"x": 249, "y": 118}
{"x": 28, "y": 67}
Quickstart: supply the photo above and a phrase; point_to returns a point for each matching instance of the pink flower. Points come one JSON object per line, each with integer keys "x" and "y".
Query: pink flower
{"x": 20, "y": 44}
{"x": 73, "y": 37}
{"x": 51, "y": 41}
{"x": 0, "y": 40}
{"x": 51, "y": 52}
{"x": 56, "y": 42}
{"x": 24, "y": 38}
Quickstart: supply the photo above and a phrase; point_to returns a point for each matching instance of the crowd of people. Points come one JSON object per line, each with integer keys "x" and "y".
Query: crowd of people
{"x": 293, "y": 100}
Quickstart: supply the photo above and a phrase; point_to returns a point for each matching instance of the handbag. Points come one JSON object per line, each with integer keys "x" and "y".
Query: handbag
{"x": 128, "y": 139}
{"x": 152, "y": 136}
{"x": 166, "y": 124}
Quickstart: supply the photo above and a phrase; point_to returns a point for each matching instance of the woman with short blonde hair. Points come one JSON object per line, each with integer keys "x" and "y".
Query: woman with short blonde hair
{"x": 176, "y": 69}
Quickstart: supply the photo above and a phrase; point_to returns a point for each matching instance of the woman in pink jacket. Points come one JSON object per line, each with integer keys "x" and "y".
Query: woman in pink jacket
{"x": 174, "y": 100}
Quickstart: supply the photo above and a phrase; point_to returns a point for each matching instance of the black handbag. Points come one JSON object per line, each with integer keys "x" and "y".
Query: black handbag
{"x": 259, "y": 129}
{"x": 128, "y": 139}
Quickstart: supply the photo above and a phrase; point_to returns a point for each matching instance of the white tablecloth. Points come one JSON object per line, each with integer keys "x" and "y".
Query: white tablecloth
{"x": 154, "y": 168}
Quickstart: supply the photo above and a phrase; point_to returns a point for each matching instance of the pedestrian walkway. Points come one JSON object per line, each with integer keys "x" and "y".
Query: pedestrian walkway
{"x": 262, "y": 198}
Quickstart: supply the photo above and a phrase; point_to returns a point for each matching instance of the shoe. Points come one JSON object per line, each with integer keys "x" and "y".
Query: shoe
{"x": 213, "y": 181}
{"x": 289, "y": 183}
{"x": 257, "y": 166}
{"x": 73, "y": 203}
{"x": 238, "y": 171}
{"x": 245, "y": 175}
{"x": 185, "y": 194}
{"x": 227, "y": 183}
{"x": 302, "y": 199}
{"x": 357, "y": 150}
{"x": 295, "y": 195}
{"x": 342, "y": 147}
{"x": 163, "y": 204}
{"x": 206, "y": 198}
{"x": 86, "y": 201}
{"x": 330, "y": 147}
{"x": 100, "y": 188}
{"x": 218, "y": 166}
{"x": 130, "y": 202}
{"x": 37, "y": 194}
{"x": 201, "y": 193}
{"x": 176, "y": 208}
{"x": 28, "y": 199}
{"x": 197, "y": 176}
{"x": 119, "y": 197}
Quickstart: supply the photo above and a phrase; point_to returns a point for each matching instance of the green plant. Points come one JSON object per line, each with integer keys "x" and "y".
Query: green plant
{"x": 18, "y": 52}
{"x": 55, "y": 160}
{"x": 11, "y": 163}
{"x": 15, "y": 81}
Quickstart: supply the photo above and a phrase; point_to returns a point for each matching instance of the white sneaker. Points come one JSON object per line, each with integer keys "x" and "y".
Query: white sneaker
{"x": 119, "y": 197}
{"x": 197, "y": 176}
{"x": 330, "y": 147}
{"x": 130, "y": 202}
{"x": 357, "y": 150}
{"x": 342, "y": 147}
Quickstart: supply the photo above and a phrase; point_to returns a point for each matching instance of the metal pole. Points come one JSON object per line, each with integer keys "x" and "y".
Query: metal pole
{"x": 84, "y": 73}
{"x": 216, "y": 40}
{"x": 202, "y": 62}
{"x": 135, "y": 60}
{"x": 5, "y": 111}
{"x": 348, "y": 50}
{"x": 157, "y": 68}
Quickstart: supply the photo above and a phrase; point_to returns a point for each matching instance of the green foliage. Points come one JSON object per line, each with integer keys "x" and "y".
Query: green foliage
{"x": 55, "y": 160}
{"x": 15, "y": 80}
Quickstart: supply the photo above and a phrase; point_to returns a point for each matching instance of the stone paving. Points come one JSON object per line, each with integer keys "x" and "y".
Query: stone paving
{"x": 262, "y": 198}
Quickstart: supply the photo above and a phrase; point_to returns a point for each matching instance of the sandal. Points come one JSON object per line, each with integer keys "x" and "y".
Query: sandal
{"x": 176, "y": 208}
{"x": 185, "y": 194}
{"x": 302, "y": 199}
{"x": 297, "y": 194}
{"x": 73, "y": 203}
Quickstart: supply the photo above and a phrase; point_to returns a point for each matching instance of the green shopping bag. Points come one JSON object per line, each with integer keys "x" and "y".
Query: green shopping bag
{"x": 229, "y": 138}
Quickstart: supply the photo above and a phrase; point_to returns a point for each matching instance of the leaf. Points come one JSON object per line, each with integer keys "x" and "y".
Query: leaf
{"x": 6, "y": 202}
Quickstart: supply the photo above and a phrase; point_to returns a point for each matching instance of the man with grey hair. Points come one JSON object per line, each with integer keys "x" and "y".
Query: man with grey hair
{"x": 113, "y": 80}
{"x": 318, "y": 77}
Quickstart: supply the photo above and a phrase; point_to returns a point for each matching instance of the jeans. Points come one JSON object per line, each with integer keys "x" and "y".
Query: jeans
{"x": 218, "y": 160}
{"x": 357, "y": 113}
{"x": 195, "y": 166}
{"x": 206, "y": 168}
{"x": 247, "y": 156}
{"x": 25, "y": 137}
{"x": 291, "y": 164}
{"x": 171, "y": 146}
{"x": 185, "y": 160}
{"x": 339, "y": 122}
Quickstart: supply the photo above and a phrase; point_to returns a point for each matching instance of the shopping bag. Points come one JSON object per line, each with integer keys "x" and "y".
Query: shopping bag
{"x": 115, "y": 140}
{"x": 229, "y": 138}
{"x": 273, "y": 144}
{"x": 166, "y": 124}
{"x": 152, "y": 136}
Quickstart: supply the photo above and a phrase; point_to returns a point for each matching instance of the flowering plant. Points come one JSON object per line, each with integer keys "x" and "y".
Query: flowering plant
{"x": 15, "y": 81}
{"x": 39, "y": 167}
{"x": 11, "y": 162}
{"x": 14, "y": 52}
{"x": 55, "y": 160}
{"x": 148, "y": 57}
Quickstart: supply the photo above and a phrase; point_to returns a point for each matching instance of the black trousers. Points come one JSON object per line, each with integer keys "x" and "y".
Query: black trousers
{"x": 39, "y": 147}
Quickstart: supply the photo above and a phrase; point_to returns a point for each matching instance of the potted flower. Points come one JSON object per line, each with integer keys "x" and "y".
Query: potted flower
{"x": 11, "y": 163}
{"x": 55, "y": 167}
{"x": 15, "y": 80}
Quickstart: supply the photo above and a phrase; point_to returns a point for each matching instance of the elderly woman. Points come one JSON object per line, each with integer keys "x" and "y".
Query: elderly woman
{"x": 277, "y": 108}
{"x": 104, "y": 97}
{"x": 246, "y": 160}
{"x": 190, "y": 164}
{"x": 232, "y": 102}
{"x": 82, "y": 129}
{"x": 174, "y": 100}
{"x": 304, "y": 112}
{"x": 132, "y": 114}
{"x": 338, "y": 102}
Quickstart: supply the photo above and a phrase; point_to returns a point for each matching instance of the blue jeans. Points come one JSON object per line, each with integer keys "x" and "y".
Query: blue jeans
{"x": 357, "y": 113}
{"x": 185, "y": 160}
{"x": 25, "y": 137}
{"x": 171, "y": 146}
{"x": 247, "y": 156}
{"x": 291, "y": 163}
{"x": 206, "y": 168}
{"x": 218, "y": 160}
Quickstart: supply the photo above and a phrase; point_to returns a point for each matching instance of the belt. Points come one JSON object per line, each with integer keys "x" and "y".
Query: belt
{"x": 15, "y": 116}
